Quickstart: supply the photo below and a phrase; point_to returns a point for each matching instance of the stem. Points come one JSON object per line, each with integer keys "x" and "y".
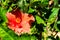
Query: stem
{"x": 45, "y": 36}
{"x": 40, "y": 36}
{"x": 47, "y": 31}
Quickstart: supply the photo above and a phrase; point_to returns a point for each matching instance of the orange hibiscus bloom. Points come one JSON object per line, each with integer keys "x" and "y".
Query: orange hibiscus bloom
{"x": 19, "y": 22}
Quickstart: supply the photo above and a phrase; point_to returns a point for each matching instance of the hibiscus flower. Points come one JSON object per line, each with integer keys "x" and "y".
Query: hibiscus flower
{"x": 19, "y": 22}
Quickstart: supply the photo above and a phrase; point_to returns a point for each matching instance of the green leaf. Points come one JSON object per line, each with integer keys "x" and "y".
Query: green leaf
{"x": 25, "y": 37}
{"x": 20, "y": 3}
{"x": 58, "y": 22}
{"x": 55, "y": 2}
{"x": 34, "y": 0}
{"x": 33, "y": 38}
{"x": 31, "y": 10}
{"x": 28, "y": 37}
{"x": 5, "y": 35}
{"x": 44, "y": 1}
{"x": 40, "y": 20}
{"x": 23, "y": 5}
{"x": 3, "y": 14}
{"x": 53, "y": 16}
{"x": 56, "y": 25}
{"x": 10, "y": 9}
{"x": 33, "y": 30}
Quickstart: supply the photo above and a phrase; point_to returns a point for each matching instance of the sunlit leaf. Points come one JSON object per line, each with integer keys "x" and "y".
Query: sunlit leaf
{"x": 53, "y": 15}
{"x": 40, "y": 20}
{"x": 58, "y": 22}
{"x": 33, "y": 30}
{"x": 31, "y": 10}
{"x": 5, "y": 35}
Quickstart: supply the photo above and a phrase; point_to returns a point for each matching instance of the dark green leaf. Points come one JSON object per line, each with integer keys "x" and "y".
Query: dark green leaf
{"x": 3, "y": 14}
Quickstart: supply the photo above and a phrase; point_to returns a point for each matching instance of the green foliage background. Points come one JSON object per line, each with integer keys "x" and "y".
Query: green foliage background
{"x": 47, "y": 19}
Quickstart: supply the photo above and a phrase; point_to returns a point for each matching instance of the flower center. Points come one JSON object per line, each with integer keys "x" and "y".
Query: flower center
{"x": 18, "y": 20}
